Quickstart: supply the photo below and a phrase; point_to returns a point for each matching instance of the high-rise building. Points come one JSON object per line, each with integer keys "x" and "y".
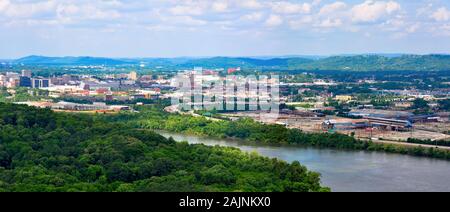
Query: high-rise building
{"x": 40, "y": 83}
{"x": 12, "y": 83}
{"x": 3, "y": 80}
{"x": 26, "y": 73}
{"x": 133, "y": 76}
{"x": 25, "y": 82}
{"x": 12, "y": 75}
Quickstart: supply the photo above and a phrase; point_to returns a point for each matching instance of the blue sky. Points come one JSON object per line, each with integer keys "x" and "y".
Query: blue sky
{"x": 173, "y": 28}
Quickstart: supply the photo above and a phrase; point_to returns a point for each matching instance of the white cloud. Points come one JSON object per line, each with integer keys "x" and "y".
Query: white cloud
{"x": 70, "y": 13}
{"x": 4, "y": 4}
{"x": 331, "y": 8}
{"x": 164, "y": 15}
{"x": 285, "y": 7}
{"x": 250, "y": 4}
{"x": 66, "y": 12}
{"x": 256, "y": 16}
{"x": 395, "y": 24}
{"x": 392, "y": 6}
{"x": 274, "y": 20}
{"x": 442, "y": 14}
{"x": 160, "y": 28}
{"x": 184, "y": 20}
{"x": 372, "y": 11}
{"x": 413, "y": 28}
{"x": 219, "y": 6}
{"x": 186, "y": 10}
{"x": 26, "y": 9}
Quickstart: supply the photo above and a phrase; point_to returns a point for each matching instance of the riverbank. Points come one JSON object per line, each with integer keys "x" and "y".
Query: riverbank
{"x": 412, "y": 149}
{"x": 249, "y": 130}
{"x": 375, "y": 142}
{"x": 349, "y": 170}
{"x": 257, "y": 133}
{"x": 412, "y": 144}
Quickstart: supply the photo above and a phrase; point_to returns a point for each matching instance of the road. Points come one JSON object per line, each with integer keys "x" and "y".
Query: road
{"x": 410, "y": 144}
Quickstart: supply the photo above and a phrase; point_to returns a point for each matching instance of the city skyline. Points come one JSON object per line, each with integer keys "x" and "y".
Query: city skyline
{"x": 199, "y": 28}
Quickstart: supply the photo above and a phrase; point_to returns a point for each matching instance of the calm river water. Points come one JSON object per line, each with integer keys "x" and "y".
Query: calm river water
{"x": 354, "y": 171}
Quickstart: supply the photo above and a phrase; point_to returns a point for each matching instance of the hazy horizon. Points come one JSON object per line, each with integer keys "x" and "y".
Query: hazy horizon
{"x": 230, "y": 56}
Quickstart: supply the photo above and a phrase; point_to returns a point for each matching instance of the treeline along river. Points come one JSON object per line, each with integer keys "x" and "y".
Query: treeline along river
{"x": 353, "y": 171}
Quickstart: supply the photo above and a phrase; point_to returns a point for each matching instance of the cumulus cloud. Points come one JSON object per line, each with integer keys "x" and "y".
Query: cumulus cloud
{"x": 413, "y": 28}
{"x": 395, "y": 24}
{"x": 372, "y": 11}
{"x": 3, "y": 5}
{"x": 71, "y": 12}
{"x": 186, "y": 10}
{"x": 250, "y": 4}
{"x": 222, "y": 21}
{"x": 26, "y": 9}
{"x": 274, "y": 20}
{"x": 441, "y": 14}
{"x": 333, "y": 7}
{"x": 307, "y": 15}
{"x": 186, "y": 20}
{"x": 220, "y": 6}
{"x": 285, "y": 7}
{"x": 255, "y": 16}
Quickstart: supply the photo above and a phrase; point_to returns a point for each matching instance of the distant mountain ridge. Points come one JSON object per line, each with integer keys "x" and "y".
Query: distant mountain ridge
{"x": 382, "y": 63}
{"x": 42, "y": 60}
{"x": 369, "y": 62}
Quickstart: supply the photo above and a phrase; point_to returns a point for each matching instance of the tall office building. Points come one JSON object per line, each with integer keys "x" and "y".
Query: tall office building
{"x": 40, "y": 83}
{"x": 133, "y": 76}
{"x": 26, "y": 73}
{"x": 25, "y": 82}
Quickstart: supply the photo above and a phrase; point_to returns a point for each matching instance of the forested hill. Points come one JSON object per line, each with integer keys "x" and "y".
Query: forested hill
{"x": 45, "y": 151}
{"x": 335, "y": 63}
{"x": 41, "y": 60}
{"x": 380, "y": 63}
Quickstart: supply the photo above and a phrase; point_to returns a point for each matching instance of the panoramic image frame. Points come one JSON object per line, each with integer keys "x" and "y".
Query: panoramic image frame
{"x": 224, "y": 103}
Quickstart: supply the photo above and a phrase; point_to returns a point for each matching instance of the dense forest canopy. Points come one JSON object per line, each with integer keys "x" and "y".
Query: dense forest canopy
{"x": 41, "y": 150}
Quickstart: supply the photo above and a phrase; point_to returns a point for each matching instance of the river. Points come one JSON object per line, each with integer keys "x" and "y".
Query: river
{"x": 352, "y": 171}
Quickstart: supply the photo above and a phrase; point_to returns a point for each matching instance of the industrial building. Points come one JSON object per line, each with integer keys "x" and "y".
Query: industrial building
{"x": 87, "y": 107}
{"x": 395, "y": 115}
{"x": 391, "y": 124}
{"x": 345, "y": 124}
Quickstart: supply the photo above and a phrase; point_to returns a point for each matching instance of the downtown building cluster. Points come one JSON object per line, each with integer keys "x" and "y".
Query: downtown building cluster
{"x": 24, "y": 79}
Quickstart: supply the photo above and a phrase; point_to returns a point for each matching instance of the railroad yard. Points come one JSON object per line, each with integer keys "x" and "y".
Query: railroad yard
{"x": 348, "y": 126}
